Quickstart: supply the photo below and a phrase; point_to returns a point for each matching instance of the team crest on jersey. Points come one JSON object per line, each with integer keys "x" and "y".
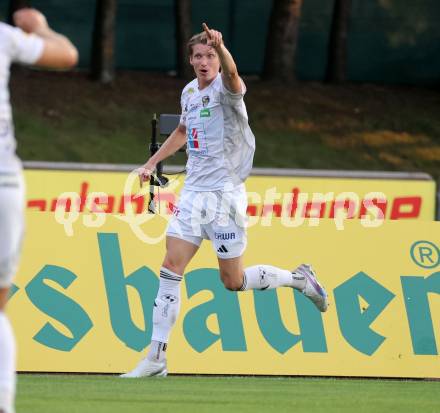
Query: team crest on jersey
{"x": 205, "y": 101}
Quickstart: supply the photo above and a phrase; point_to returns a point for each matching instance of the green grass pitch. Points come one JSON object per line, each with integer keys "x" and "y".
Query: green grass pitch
{"x": 196, "y": 394}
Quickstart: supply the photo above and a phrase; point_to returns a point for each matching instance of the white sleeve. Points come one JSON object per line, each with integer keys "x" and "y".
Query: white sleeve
{"x": 184, "y": 110}
{"x": 233, "y": 99}
{"x": 23, "y": 47}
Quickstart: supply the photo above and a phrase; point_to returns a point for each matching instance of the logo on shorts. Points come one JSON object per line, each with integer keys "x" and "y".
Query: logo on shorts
{"x": 222, "y": 249}
{"x": 224, "y": 236}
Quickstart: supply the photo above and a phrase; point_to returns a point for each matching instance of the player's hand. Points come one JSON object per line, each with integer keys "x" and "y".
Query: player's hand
{"x": 144, "y": 174}
{"x": 215, "y": 38}
{"x": 30, "y": 20}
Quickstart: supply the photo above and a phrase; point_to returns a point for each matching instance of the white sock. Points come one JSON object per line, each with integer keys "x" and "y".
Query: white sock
{"x": 7, "y": 365}
{"x": 266, "y": 277}
{"x": 157, "y": 351}
{"x": 165, "y": 312}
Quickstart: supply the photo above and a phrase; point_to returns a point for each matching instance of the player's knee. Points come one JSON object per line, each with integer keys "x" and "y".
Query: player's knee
{"x": 172, "y": 265}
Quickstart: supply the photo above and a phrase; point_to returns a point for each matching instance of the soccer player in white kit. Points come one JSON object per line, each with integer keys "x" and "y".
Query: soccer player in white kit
{"x": 31, "y": 42}
{"x": 212, "y": 205}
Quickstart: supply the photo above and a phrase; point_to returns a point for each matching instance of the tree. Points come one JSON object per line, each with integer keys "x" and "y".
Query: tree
{"x": 183, "y": 33}
{"x": 337, "y": 48}
{"x": 279, "y": 61}
{"x": 103, "y": 47}
{"x": 15, "y": 5}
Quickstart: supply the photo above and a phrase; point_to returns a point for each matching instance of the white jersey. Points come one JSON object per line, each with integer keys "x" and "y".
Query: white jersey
{"x": 15, "y": 47}
{"x": 220, "y": 143}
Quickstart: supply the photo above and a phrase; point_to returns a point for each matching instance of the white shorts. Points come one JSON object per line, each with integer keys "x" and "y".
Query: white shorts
{"x": 11, "y": 225}
{"x": 218, "y": 216}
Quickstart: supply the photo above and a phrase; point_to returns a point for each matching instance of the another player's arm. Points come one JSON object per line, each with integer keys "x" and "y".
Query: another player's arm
{"x": 230, "y": 76}
{"x": 58, "y": 51}
{"x": 171, "y": 145}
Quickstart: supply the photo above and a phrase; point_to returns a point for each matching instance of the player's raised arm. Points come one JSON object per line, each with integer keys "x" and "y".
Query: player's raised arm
{"x": 230, "y": 76}
{"x": 58, "y": 51}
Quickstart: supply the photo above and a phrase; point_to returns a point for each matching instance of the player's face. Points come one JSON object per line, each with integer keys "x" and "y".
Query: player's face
{"x": 205, "y": 62}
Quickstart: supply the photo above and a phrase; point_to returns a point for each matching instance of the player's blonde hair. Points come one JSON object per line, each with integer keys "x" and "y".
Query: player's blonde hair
{"x": 199, "y": 38}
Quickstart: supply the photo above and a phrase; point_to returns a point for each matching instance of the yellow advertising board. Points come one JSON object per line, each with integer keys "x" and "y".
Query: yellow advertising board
{"x": 82, "y": 301}
{"x": 274, "y": 195}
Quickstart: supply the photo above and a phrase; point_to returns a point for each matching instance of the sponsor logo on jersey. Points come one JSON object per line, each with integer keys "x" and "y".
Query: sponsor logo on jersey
{"x": 205, "y": 113}
{"x": 197, "y": 140}
{"x": 193, "y": 142}
{"x": 193, "y": 107}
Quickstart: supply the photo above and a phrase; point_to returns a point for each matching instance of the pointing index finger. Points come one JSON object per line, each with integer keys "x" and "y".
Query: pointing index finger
{"x": 206, "y": 29}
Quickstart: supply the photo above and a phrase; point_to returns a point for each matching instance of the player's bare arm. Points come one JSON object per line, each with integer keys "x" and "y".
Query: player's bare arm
{"x": 230, "y": 76}
{"x": 172, "y": 144}
{"x": 58, "y": 52}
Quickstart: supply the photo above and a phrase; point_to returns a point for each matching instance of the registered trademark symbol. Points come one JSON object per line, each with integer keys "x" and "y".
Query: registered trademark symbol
{"x": 425, "y": 254}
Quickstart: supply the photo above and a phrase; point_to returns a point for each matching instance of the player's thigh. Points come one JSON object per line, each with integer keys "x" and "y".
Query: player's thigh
{"x": 228, "y": 230}
{"x": 179, "y": 253}
{"x": 231, "y": 272}
{"x": 229, "y": 241}
{"x": 11, "y": 227}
